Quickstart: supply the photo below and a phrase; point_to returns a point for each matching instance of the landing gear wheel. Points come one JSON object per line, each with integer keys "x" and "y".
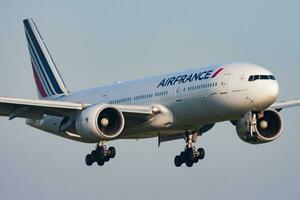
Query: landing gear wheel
{"x": 88, "y": 160}
{"x": 94, "y": 155}
{"x": 248, "y": 137}
{"x": 189, "y": 163}
{"x": 177, "y": 161}
{"x": 251, "y": 138}
{"x": 254, "y": 138}
{"x": 100, "y": 162}
{"x": 106, "y": 159}
{"x": 201, "y": 153}
{"x": 189, "y": 154}
{"x": 196, "y": 159}
{"x": 100, "y": 155}
{"x": 182, "y": 156}
{"x": 100, "y": 151}
{"x": 112, "y": 152}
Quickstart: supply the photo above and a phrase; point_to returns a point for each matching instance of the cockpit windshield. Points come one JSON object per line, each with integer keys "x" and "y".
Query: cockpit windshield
{"x": 261, "y": 77}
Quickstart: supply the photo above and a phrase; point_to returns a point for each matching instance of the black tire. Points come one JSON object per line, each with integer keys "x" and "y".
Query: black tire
{"x": 251, "y": 138}
{"x": 201, "y": 153}
{"x": 196, "y": 160}
{"x": 100, "y": 153}
{"x": 247, "y": 137}
{"x": 88, "y": 160}
{"x": 106, "y": 159}
{"x": 189, "y": 154}
{"x": 254, "y": 137}
{"x": 100, "y": 162}
{"x": 177, "y": 161}
{"x": 112, "y": 152}
{"x": 182, "y": 157}
{"x": 94, "y": 155}
{"x": 189, "y": 163}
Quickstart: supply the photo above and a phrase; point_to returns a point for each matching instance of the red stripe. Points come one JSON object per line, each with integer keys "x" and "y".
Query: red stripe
{"x": 38, "y": 82}
{"x": 217, "y": 72}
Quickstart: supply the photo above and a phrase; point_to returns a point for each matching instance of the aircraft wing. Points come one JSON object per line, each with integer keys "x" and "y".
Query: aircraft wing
{"x": 35, "y": 109}
{"x": 285, "y": 104}
{"x": 136, "y": 114}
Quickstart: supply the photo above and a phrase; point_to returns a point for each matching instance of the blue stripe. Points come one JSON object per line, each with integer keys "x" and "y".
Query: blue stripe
{"x": 39, "y": 73}
{"x": 48, "y": 90}
{"x": 42, "y": 58}
{"x": 39, "y": 70}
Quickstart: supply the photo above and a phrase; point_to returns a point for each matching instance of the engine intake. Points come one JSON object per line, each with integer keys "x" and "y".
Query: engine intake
{"x": 110, "y": 121}
{"x": 100, "y": 122}
{"x": 266, "y": 127}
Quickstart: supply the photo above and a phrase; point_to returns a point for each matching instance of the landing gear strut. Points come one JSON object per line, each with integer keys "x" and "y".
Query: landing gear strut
{"x": 100, "y": 155}
{"x": 251, "y": 136}
{"x": 190, "y": 155}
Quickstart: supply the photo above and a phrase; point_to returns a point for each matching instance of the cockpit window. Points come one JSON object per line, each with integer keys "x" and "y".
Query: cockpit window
{"x": 261, "y": 77}
{"x": 271, "y": 77}
{"x": 256, "y": 77}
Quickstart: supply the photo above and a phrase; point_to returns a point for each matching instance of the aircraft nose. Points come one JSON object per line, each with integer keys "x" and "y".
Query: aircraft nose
{"x": 272, "y": 91}
{"x": 263, "y": 93}
{"x": 267, "y": 94}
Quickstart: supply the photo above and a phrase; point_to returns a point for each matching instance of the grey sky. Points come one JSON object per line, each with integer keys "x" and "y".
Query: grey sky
{"x": 100, "y": 42}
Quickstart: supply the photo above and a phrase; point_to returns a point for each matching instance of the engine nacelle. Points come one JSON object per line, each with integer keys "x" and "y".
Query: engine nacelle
{"x": 266, "y": 126}
{"x": 100, "y": 122}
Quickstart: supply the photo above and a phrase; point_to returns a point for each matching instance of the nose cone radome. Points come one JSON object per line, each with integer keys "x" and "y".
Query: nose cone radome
{"x": 274, "y": 91}
{"x": 266, "y": 94}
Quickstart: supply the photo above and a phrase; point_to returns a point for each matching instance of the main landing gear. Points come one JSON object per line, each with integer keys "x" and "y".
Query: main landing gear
{"x": 100, "y": 155}
{"x": 190, "y": 155}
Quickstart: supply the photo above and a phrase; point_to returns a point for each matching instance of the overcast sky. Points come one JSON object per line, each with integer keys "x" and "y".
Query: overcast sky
{"x": 101, "y": 42}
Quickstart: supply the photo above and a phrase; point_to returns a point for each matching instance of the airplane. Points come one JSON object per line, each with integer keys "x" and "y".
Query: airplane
{"x": 181, "y": 105}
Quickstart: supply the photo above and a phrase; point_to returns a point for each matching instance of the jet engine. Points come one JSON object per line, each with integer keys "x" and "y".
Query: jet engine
{"x": 257, "y": 128}
{"x": 100, "y": 122}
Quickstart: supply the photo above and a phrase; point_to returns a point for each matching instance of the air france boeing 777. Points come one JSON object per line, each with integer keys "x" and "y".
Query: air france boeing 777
{"x": 181, "y": 105}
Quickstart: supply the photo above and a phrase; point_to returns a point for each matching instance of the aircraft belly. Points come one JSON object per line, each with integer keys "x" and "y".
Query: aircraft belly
{"x": 143, "y": 134}
{"x": 190, "y": 113}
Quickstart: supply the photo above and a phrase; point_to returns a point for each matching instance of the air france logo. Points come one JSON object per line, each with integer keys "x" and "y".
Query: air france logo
{"x": 189, "y": 78}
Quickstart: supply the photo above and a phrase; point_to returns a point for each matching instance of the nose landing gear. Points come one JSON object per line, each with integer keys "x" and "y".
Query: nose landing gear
{"x": 190, "y": 155}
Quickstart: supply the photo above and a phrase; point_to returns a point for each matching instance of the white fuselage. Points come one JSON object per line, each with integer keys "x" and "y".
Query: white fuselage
{"x": 196, "y": 97}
